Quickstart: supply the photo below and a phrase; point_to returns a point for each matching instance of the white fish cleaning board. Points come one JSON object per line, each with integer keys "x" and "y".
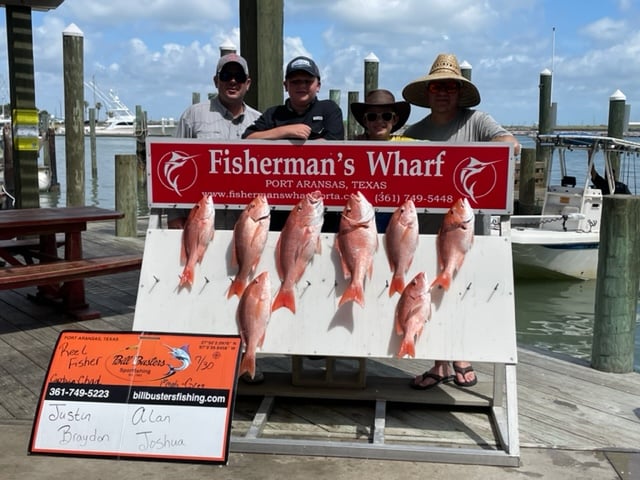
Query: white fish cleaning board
{"x": 474, "y": 320}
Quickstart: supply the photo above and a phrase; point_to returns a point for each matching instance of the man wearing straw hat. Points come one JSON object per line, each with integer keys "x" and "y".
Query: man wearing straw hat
{"x": 450, "y": 97}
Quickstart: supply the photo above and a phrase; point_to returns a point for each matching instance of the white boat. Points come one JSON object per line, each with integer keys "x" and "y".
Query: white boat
{"x": 121, "y": 121}
{"x": 562, "y": 242}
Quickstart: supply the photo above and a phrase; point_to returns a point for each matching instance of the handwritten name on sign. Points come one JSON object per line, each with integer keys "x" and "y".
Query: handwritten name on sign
{"x": 431, "y": 174}
{"x": 157, "y": 395}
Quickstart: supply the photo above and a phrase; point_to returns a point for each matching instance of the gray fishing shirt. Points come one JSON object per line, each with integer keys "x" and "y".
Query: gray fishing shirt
{"x": 212, "y": 120}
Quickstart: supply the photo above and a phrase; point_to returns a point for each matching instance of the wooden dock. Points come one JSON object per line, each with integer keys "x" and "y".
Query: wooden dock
{"x": 562, "y": 403}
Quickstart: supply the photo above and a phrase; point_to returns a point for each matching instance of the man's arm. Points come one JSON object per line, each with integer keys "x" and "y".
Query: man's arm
{"x": 511, "y": 139}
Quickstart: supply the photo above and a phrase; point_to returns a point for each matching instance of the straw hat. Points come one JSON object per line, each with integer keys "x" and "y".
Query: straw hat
{"x": 381, "y": 98}
{"x": 445, "y": 67}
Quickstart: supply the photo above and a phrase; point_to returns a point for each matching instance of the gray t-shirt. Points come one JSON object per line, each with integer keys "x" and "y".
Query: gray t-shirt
{"x": 467, "y": 126}
{"x": 212, "y": 120}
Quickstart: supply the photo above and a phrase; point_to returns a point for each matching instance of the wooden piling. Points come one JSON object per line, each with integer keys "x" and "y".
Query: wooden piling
{"x": 261, "y": 39}
{"x": 73, "y": 67}
{"x": 24, "y": 185}
{"x": 543, "y": 154}
{"x": 353, "y": 127}
{"x": 92, "y": 143}
{"x": 615, "y": 125}
{"x": 371, "y": 67}
{"x": 527, "y": 182}
{"x": 617, "y": 285}
{"x": 465, "y": 70}
{"x": 140, "y": 130}
{"x": 53, "y": 162}
{"x": 126, "y": 195}
{"x": 335, "y": 96}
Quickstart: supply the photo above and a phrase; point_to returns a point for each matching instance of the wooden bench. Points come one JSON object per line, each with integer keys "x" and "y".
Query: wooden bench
{"x": 29, "y": 248}
{"x": 66, "y": 270}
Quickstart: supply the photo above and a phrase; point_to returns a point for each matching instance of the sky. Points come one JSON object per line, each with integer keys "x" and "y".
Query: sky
{"x": 155, "y": 53}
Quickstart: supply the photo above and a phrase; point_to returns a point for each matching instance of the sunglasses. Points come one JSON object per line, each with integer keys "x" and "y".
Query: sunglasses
{"x": 239, "y": 77}
{"x": 373, "y": 116}
{"x": 448, "y": 87}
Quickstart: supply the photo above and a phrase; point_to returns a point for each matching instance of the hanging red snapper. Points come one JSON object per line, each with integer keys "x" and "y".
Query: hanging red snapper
{"x": 356, "y": 242}
{"x": 401, "y": 241}
{"x": 197, "y": 233}
{"x": 454, "y": 240}
{"x": 412, "y": 312}
{"x": 299, "y": 240}
{"x": 249, "y": 239}
{"x": 254, "y": 311}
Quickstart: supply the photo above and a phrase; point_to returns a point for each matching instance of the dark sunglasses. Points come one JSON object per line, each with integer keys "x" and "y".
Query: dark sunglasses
{"x": 449, "y": 87}
{"x": 373, "y": 116}
{"x": 240, "y": 77}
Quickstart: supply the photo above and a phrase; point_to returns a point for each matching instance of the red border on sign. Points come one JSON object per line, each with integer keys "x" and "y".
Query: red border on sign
{"x": 432, "y": 174}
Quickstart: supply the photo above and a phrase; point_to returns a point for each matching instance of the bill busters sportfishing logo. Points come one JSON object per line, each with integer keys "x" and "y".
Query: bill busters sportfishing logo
{"x": 152, "y": 362}
{"x": 475, "y": 178}
{"x": 177, "y": 171}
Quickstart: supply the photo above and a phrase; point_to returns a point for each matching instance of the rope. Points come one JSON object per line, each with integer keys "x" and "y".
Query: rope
{"x": 4, "y": 191}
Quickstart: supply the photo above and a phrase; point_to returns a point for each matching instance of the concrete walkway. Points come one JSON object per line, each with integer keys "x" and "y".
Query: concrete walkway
{"x": 550, "y": 464}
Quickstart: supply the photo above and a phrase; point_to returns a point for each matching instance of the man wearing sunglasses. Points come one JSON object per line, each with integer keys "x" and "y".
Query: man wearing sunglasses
{"x": 225, "y": 116}
{"x": 450, "y": 97}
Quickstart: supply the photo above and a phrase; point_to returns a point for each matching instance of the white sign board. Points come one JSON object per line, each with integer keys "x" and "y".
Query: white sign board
{"x": 474, "y": 320}
{"x": 131, "y": 394}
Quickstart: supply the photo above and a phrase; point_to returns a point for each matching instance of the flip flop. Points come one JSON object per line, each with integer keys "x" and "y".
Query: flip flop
{"x": 463, "y": 371}
{"x": 438, "y": 378}
{"x": 257, "y": 379}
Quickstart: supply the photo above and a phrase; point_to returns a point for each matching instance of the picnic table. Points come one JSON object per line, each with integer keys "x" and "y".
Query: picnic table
{"x": 37, "y": 233}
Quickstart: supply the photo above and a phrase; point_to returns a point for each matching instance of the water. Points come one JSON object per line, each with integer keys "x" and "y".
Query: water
{"x": 99, "y": 190}
{"x": 553, "y": 315}
{"x": 558, "y": 316}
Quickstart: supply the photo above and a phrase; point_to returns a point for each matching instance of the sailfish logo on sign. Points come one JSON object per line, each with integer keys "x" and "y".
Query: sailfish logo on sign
{"x": 474, "y": 178}
{"x": 177, "y": 171}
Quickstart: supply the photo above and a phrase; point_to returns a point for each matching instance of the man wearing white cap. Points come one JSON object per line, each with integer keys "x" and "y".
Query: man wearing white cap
{"x": 223, "y": 117}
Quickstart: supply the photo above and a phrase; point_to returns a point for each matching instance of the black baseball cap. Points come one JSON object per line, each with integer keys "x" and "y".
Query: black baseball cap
{"x": 303, "y": 64}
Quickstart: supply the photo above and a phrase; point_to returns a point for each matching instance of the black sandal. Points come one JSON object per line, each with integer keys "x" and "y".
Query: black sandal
{"x": 463, "y": 371}
{"x": 438, "y": 378}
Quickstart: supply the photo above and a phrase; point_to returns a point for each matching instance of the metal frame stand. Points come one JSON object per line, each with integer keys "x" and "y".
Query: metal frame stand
{"x": 502, "y": 410}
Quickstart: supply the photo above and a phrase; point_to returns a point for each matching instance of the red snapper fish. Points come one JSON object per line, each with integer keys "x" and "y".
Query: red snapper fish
{"x": 412, "y": 312}
{"x": 356, "y": 242}
{"x": 299, "y": 240}
{"x": 197, "y": 233}
{"x": 249, "y": 239}
{"x": 254, "y": 311}
{"x": 401, "y": 241}
{"x": 454, "y": 240}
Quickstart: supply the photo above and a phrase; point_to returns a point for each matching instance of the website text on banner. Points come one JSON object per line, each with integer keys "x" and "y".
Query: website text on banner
{"x": 432, "y": 174}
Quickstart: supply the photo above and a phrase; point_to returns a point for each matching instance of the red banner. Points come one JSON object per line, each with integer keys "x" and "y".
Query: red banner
{"x": 432, "y": 174}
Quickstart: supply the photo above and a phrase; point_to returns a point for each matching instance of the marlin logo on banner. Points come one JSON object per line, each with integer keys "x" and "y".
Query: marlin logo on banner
{"x": 475, "y": 179}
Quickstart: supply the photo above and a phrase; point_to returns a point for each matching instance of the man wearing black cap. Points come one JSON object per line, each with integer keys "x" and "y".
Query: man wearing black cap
{"x": 302, "y": 116}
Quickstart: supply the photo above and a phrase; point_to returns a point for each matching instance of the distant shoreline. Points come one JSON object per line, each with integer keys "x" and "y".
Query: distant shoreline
{"x": 596, "y": 129}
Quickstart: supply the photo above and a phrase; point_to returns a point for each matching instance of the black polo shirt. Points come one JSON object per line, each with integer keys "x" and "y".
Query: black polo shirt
{"x": 323, "y": 116}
